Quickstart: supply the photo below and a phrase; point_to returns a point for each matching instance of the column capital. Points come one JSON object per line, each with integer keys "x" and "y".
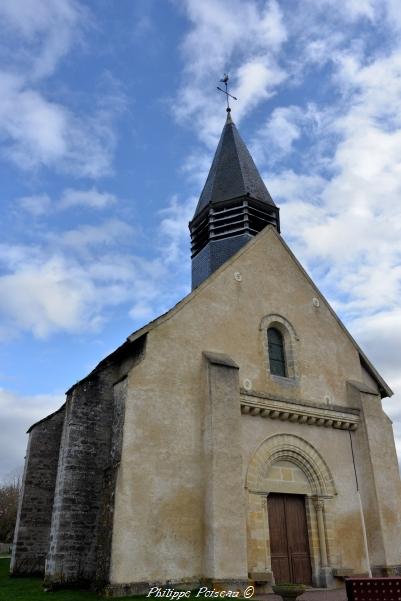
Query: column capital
{"x": 318, "y": 503}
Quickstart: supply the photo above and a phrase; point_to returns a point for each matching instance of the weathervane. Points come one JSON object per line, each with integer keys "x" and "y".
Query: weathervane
{"x": 225, "y": 81}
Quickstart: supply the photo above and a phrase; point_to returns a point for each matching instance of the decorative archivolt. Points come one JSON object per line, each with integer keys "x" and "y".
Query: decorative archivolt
{"x": 287, "y": 447}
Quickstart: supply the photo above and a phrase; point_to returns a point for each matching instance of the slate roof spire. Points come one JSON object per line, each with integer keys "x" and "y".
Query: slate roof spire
{"x": 234, "y": 205}
{"x": 233, "y": 172}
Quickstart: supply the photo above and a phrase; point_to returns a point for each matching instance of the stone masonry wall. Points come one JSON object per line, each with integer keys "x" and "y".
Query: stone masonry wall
{"x": 105, "y": 529}
{"x": 32, "y": 530}
{"x": 84, "y": 488}
{"x": 213, "y": 255}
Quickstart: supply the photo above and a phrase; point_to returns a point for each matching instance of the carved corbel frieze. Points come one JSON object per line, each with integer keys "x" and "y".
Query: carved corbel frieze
{"x": 310, "y": 414}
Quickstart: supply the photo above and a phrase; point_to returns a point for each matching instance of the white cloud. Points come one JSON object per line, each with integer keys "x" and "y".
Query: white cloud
{"x": 35, "y": 130}
{"x": 350, "y": 222}
{"x": 246, "y": 36}
{"x": 41, "y": 204}
{"x": 107, "y": 233}
{"x": 89, "y": 198}
{"x": 221, "y": 27}
{"x": 47, "y": 27}
{"x": 57, "y": 284}
{"x": 141, "y": 311}
{"x": 391, "y": 407}
{"x": 283, "y": 129}
{"x": 256, "y": 80}
{"x": 351, "y": 10}
{"x": 380, "y": 335}
{"x": 47, "y": 297}
{"x": 32, "y": 124}
{"x": 174, "y": 229}
{"x": 70, "y": 280}
{"x": 37, "y": 205}
{"x": 301, "y": 190}
{"x": 196, "y": 167}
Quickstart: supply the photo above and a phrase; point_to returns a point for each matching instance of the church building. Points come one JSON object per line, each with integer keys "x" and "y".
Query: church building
{"x": 237, "y": 439}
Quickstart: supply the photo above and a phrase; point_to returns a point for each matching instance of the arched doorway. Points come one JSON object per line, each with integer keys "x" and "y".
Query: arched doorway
{"x": 289, "y": 484}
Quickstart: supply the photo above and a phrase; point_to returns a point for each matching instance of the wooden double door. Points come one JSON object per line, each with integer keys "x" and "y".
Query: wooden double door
{"x": 289, "y": 545}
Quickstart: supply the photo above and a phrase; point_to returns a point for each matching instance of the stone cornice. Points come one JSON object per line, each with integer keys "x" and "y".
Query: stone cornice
{"x": 311, "y": 414}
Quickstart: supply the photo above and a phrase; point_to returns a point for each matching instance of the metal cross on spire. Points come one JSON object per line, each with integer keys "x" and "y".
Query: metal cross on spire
{"x": 225, "y": 81}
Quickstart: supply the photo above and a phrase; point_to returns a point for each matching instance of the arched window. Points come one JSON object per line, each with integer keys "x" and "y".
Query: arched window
{"x": 276, "y": 352}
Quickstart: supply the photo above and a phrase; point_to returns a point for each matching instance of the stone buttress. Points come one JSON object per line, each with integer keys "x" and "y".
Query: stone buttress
{"x": 66, "y": 507}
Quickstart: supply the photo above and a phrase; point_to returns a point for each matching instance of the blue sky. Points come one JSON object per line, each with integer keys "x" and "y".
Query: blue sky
{"x": 109, "y": 118}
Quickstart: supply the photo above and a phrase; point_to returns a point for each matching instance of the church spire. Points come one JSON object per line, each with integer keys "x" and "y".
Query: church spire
{"x": 234, "y": 205}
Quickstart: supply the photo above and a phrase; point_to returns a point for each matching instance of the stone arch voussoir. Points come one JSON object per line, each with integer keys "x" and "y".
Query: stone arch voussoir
{"x": 278, "y": 320}
{"x": 288, "y": 447}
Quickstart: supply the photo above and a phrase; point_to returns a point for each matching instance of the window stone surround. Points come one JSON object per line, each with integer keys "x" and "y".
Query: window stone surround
{"x": 290, "y": 338}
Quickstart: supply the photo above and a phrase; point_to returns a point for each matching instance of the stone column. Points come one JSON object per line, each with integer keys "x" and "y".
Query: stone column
{"x": 319, "y": 505}
{"x": 224, "y": 556}
{"x": 325, "y": 572}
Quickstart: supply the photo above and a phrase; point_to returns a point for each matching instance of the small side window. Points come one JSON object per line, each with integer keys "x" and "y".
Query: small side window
{"x": 276, "y": 352}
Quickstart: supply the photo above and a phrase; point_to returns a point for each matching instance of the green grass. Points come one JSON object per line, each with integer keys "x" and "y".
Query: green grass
{"x": 31, "y": 589}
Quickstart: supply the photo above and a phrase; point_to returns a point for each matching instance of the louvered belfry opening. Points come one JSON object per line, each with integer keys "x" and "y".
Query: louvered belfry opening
{"x": 234, "y": 206}
{"x": 244, "y": 215}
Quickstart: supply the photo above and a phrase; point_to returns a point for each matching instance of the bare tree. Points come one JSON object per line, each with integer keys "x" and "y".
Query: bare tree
{"x": 9, "y": 493}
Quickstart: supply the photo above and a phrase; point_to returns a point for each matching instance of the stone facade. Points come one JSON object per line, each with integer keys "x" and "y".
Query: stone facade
{"x": 311, "y": 414}
{"x": 171, "y": 447}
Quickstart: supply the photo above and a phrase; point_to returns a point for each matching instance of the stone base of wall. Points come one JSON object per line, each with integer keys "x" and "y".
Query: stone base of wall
{"x": 28, "y": 565}
{"x": 143, "y": 588}
{"x": 226, "y": 585}
{"x": 60, "y": 584}
{"x": 190, "y": 584}
{"x": 380, "y": 571}
{"x": 326, "y": 577}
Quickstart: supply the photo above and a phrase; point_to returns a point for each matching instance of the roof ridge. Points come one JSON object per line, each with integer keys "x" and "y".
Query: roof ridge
{"x": 236, "y": 132}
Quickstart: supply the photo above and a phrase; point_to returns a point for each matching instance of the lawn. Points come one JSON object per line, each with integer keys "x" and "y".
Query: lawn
{"x": 30, "y": 589}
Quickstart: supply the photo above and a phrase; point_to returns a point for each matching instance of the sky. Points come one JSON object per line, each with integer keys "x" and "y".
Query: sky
{"x": 109, "y": 118}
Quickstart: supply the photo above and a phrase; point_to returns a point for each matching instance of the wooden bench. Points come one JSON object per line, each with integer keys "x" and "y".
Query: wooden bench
{"x": 373, "y": 589}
